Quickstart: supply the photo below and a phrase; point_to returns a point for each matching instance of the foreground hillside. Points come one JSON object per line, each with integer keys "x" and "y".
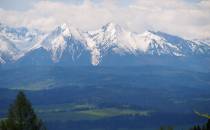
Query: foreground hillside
{"x": 95, "y": 97}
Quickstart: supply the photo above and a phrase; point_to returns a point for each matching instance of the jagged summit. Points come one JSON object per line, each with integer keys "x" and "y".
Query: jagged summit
{"x": 110, "y": 27}
{"x": 111, "y": 39}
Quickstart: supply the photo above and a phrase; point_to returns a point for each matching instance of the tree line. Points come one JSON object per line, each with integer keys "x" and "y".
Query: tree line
{"x": 21, "y": 116}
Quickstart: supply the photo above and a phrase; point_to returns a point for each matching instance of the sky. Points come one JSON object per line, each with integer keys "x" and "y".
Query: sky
{"x": 186, "y": 18}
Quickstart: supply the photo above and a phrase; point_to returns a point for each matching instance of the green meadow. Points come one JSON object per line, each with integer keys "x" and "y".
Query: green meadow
{"x": 66, "y": 112}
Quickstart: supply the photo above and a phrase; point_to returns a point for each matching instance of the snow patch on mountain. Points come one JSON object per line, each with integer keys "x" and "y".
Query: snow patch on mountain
{"x": 2, "y": 61}
{"x": 63, "y": 38}
{"x": 110, "y": 39}
{"x": 16, "y": 42}
{"x": 8, "y": 49}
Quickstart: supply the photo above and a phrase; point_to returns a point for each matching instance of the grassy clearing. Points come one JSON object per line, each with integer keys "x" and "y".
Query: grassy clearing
{"x": 66, "y": 112}
{"x": 40, "y": 85}
{"x": 205, "y": 115}
{"x": 111, "y": 112}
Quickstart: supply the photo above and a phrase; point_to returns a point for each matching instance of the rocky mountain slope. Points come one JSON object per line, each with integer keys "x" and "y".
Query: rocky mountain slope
{"x": 69, "y": 43}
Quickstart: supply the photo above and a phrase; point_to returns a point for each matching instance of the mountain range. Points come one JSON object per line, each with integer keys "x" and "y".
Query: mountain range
{"x": 109, "y": 45}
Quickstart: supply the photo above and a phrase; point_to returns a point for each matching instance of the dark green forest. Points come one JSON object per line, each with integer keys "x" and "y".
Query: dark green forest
{"x": 21, "y": 116}
{"x": 202, "y": 127}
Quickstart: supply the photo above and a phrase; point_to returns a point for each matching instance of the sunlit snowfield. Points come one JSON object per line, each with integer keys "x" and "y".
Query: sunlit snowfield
{"x": 106, "y": 64}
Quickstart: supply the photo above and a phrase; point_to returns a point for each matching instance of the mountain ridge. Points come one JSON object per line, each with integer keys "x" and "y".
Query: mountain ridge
{"x": 110, "y": 39}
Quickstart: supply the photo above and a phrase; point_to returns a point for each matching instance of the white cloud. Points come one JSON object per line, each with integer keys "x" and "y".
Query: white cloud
{"x": 186, "y": 19}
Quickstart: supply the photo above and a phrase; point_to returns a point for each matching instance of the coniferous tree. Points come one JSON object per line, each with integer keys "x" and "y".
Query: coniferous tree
{"x": 198, "y": 127}
{"x": 170, "y": 128}
{"x": 21, "y": 116}
{"x": 204, "y": 127}
{"x": 166, "y": 128}
{"x": 208, "y": 125}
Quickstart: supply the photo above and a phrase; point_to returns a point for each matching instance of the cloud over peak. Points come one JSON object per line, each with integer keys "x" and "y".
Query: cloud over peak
{"x": 191, "y": 20}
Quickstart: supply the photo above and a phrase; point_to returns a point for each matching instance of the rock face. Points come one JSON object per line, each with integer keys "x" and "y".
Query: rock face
{"x": 109, "y": 45}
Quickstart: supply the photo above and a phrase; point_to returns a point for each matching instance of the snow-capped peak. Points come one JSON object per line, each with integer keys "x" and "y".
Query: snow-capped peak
{"x": 112, "y": 27}
{"x": 66, "y": 30}
{"x": 16, "y": 42}
{"x": 63, "y": 26}
{"x": 2, "y": 61}
{"x": 62, "y": 37}
{"x": 109, "y": 39}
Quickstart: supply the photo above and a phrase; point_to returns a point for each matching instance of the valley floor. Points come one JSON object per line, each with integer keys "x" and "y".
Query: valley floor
{"x": 98, "y": 98}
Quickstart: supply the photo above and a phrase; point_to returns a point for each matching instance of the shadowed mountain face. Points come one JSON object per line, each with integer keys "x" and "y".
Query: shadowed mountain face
{"x": 88, "y": 80}
{"x": 110, "y": 45}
